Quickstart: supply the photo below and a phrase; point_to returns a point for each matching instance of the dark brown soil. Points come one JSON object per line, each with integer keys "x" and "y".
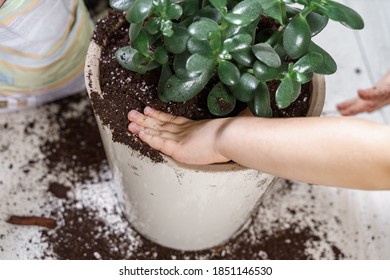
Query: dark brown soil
{"x": 125, "y": 90}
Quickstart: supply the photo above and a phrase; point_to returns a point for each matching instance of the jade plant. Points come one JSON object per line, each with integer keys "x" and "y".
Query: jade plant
{"x": 194, "y": 42}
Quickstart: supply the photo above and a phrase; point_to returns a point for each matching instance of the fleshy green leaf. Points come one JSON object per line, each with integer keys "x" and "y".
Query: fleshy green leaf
{"x": 134, "y": 30}
{"x": 211, "y": 13}
{"x": 228, "y": 73}
{"x": 220, "y": 101}
{"x": 201, "y": 29}
{"x": 264, "y": 72}
{"x": 166, "y": 73}
{"x": 125, "y": 57}
{"x": 179, "y": 65}
{"x": 141, "y": 44}
{"x": 260, "y": 105}
{"x": 143, "y": 63}
{"x": 287, "y": 92}
{"x": 153, "y": 25}
{"x": 245, "y": 57}
{"x": 139, "y": 11}
{"x": 198, "y": 46}
{"x": 179, "y": 90}
{"x": 236, "y": 19}
{"x": 237, "y": 42}
{"x": 302, "y": 78}
{"x": 267, "y": 55}
{"x": 122, "y": 5}
{"x": 245, "y": 89}
{"x": 178, "y": 41}
{"x": 297, "y": 37}
{"x": 197, "y": 63}
{"x": 215, "y": 40}
{"x": 174, "y": 11}
{"x": 316, "y": 22}
{"x": 219, "y": 4}
{"x": 308, "y": 63}
{"x": 249, "y": 8}
{"x": 340, "y": 13}
{"x": 166, "y": 27}
{"x": 274, "y": 9}
{"x": 190, "y": 7}
{"x": 161, "y": 55}
{"x": 328, "y": 65}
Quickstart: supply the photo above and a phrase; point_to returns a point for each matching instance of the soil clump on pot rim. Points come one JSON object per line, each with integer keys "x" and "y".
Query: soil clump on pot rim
{"x": 124, "y": 90}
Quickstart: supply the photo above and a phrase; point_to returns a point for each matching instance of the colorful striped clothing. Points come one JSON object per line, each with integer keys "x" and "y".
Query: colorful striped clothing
{"x": 43, "y": 44}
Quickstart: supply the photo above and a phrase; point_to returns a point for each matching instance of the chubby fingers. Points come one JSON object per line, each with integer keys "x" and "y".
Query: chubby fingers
{"x": 354, "y": 106}
{"x": 370, "y": 94}
{"x": 163, "y": 117}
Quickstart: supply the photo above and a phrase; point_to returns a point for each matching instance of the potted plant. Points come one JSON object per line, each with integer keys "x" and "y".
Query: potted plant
{"x": 237, "y": 51}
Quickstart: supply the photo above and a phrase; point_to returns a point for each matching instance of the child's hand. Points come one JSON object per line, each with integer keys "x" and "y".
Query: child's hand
{"x": 369, "y": 100}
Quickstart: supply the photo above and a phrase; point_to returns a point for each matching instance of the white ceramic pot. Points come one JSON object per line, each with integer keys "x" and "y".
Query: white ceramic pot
{"x": 180, "y": 206}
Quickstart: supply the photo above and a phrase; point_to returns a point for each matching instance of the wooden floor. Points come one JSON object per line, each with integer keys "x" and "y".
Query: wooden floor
{"x": 357, "y": 222}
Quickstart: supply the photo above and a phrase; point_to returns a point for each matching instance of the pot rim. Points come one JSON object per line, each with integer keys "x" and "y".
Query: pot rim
{"x": 91, "y": 74}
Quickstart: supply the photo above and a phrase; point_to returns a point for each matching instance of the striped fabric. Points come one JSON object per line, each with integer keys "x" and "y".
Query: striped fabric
{"x": 43, "y": 44}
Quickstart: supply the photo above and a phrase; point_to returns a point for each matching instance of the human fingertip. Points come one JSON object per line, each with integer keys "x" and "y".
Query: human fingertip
{"x": 133, "y": 114}
{"x": 133, "y": 127}
{"x": 148, "y": 110}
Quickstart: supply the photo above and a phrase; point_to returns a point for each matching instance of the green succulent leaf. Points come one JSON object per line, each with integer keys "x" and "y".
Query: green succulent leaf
{"x": 179, "y": 90}
{"x": 290, "y": 11}
{"x": 249, "y": 8}
{"x": 153, "y": 25}
{"x": 302, "y": 78}
{"x": 297, "y": 37}
{"x": 264, "y": 72}
{"x": 316, "y": 22}
{"x": 237, "y": 42}
{"x": 211, "y": 13}
{"x": 141, "y": 43}
{"x": 236, "y": 19}
{"x": 180, "y": 65}
{"x": 340, "y": 13}
{"x": 215, "y": 39}
{"x": 198, "y": 46}
{"x": 143, "y": 63}
{"x": 279, "y": 49}
{"x": 244, "y": 57}
{"x": 174, "y": 11}
{"x": 308, "y": 63}
{"x": 190, "y": 7}
{"x": 220, "y": 5}
{"x": 161, "y": 55}
{"x": 287, "y": 92}
{"x": 166, "y": 73}
{"x": 228, "y": 73}
{"x": 220, "y": 101}
{"x": 125, "y": 57}
{"x": 275, "y": 9}
{"x": 166, "y": 26}
{"x": 121, "y": 5}
{"x": 134, "y": 31}
{"x": 260, "y": 105}
{"x": 328, "y": 65}
{"x": 245, "y": 89}
{"x": 197, "y": 63}
{"x": 265, "y": 53}
{"x": 201, "y": 29}
{"x": 139, "y": 11}
{"x": 177, "y": 43}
